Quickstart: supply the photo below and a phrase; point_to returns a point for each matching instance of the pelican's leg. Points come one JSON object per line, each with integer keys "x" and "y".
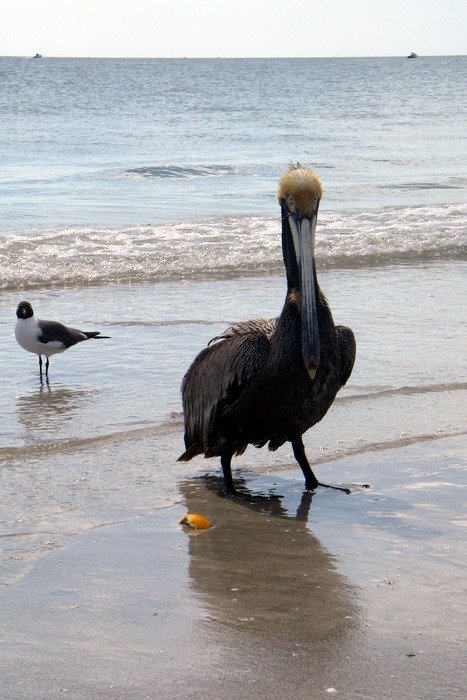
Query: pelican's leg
{"x": 226, "y": 458}
{"x": 311, "y": 482}
{"x": 47, "y": 367}
{"x": 40, "y": 365}
{"x": 230, "y": 490}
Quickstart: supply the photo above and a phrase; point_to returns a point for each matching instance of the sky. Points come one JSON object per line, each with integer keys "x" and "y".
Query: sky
{"x": 240, "y": 28}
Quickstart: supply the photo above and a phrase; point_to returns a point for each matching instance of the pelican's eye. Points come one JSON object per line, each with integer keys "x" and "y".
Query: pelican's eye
{"x": 290, "y": 203}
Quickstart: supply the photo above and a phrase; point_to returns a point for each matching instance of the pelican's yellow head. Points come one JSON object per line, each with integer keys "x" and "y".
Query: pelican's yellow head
{"x": 300, "y": 187}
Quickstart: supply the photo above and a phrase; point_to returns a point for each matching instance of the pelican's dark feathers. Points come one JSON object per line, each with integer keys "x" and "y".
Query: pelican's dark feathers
{"x": 269, "y": 380}
{"x": 251, "y": 359}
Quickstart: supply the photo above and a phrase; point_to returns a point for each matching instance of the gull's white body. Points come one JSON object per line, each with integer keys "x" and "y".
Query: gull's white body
{"x": 46, "y": 337}
{"x": 27, "y": 332}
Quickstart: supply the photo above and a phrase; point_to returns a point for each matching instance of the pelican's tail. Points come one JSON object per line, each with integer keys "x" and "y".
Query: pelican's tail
{"x": 191, "y": 452}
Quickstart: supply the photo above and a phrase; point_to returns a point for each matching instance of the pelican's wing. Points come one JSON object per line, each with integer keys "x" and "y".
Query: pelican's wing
{"x": 348, "y": 349}
{"x": 264, "y": 326}
{"x": 215, "y": 380}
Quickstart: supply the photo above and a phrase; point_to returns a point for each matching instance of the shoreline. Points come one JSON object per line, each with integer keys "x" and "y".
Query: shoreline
{"x": 358, "y": 593}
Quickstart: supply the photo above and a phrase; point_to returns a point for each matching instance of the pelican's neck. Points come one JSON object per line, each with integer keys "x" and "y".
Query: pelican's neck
{"x": 287, "y": 339}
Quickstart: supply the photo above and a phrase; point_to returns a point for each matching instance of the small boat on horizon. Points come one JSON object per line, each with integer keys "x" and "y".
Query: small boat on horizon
{"x": 412, "y": 55}
{"x": 37, "y": 55}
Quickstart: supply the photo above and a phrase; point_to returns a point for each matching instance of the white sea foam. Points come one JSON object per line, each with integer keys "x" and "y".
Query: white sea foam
{"x": 227, "y": 247}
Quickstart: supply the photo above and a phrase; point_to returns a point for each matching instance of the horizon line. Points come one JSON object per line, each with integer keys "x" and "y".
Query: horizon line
{"x": 436, "y": 55}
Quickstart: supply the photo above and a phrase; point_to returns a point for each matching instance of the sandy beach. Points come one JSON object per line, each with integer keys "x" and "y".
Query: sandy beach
{"x": 299, "y": 597}
{"x": 106, "y": 595}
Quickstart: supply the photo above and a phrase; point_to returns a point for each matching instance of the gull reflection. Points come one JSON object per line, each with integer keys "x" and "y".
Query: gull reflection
{"x": 261, "y": 571}
{"x": 46, "y": 409}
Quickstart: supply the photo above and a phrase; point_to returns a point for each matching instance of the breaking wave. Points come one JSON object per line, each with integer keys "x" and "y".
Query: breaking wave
{"x": 227, "y": 247}
{"x": 176, "y": 171}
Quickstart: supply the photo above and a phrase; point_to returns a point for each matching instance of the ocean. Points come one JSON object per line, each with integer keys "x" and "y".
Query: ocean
{"x": 138, "y": 198}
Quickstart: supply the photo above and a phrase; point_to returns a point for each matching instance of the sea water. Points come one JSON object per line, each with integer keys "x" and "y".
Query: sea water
{"x": 137, "y": 197}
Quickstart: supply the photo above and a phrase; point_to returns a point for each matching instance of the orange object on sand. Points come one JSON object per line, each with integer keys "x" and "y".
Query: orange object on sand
{"x": 199, "y": 522}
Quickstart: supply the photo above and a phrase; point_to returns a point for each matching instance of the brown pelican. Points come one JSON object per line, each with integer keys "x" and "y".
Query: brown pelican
{"x": 269, "y": 380}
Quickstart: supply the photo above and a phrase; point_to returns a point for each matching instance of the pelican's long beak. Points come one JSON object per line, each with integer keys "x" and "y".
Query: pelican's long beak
{"x": 299, "y": 195}
{"x": 303, "y": 233}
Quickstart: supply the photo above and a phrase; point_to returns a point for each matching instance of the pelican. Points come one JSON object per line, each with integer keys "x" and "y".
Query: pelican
{"x": 270, "y": 380}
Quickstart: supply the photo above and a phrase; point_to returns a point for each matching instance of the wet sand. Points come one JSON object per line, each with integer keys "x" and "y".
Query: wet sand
{"x": 106, "y": 595}
{"x": 299, "y": 597}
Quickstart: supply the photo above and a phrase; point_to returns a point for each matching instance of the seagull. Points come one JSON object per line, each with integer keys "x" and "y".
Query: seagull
{"x": 46, "y": 337}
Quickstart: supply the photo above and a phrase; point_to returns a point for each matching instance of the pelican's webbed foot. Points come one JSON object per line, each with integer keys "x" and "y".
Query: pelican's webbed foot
{"x": 229, "y": 487}
{"x": 249, "y": 497}
{"x": 311, "y": 482}
{"x": 336, "y": 488}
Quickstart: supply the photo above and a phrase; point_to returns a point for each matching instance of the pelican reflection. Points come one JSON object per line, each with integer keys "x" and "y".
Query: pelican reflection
{"x": 261, "y": 571}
